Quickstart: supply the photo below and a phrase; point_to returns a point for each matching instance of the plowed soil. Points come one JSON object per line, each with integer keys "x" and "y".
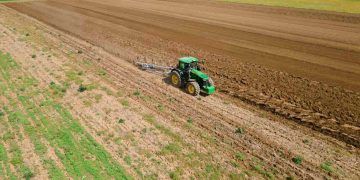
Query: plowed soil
{"x": 303, "y": 65}
{"x": 297, "y": 66}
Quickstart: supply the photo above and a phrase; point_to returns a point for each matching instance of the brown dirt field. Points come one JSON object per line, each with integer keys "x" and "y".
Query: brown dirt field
{"x": 208, "y": 144}
{"x": 303, "y": 67}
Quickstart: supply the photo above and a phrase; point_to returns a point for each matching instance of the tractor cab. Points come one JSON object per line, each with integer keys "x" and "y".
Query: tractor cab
{"x": 188, "y": 74}
{"x": 188, "y": 63}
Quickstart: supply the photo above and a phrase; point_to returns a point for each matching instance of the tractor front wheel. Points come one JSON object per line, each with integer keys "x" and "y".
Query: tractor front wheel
{"x": 175, "y": 79}
{"x": 193, "y": 88}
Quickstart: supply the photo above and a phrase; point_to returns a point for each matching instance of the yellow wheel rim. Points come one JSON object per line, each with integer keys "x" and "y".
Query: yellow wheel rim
{"x": 174, "y": 79}
{"x": 191, "y": 89}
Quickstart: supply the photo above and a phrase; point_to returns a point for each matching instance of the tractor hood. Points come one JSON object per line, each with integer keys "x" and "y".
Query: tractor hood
{"x": 200, "y": 74}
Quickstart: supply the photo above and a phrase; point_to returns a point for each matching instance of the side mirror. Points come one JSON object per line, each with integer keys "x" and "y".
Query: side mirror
{"x": 200, "y": 68}
{"x": 203, "y": 61}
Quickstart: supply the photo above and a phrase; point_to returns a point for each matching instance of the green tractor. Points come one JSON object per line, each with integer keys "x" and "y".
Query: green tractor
{"x": 188, "y": 75}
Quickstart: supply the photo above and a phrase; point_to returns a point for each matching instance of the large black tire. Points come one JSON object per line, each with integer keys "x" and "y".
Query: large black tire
{"x": 193, "y": 88}
{"x": 175, "y": 79}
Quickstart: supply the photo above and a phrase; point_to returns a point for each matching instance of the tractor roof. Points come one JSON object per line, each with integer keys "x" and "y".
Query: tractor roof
{"x": 188, "y": 59}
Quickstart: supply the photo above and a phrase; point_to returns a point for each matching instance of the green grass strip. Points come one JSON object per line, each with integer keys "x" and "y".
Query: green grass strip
{"x": 80, "y": 154}
{"x": 3, "y": 158}
{"x": 348, "y": 6}
{"x": 5, "y": 166}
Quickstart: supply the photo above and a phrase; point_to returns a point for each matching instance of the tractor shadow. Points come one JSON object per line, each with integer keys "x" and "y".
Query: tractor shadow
{"x": 167, "y": 80}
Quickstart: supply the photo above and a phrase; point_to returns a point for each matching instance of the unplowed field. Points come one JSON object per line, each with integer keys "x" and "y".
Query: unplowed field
{"x": 128, "y": 122}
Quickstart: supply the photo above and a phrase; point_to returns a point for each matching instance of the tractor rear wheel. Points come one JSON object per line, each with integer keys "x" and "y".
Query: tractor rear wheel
{"x": 175, "y": 79}
{"x": 193, "y": 88}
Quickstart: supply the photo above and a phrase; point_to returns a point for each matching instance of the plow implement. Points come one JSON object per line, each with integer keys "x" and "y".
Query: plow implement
{"x": 153, "y": 68}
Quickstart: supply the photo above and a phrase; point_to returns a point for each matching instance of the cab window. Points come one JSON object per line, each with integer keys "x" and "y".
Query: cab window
{"x": 193, "y": 65}
{"x": 181, "y": 66}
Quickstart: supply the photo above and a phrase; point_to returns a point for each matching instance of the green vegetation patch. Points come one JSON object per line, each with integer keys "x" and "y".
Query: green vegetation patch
{"x": 3, "y": 155}
{"x": 297, "y": 160}
{"x": 326, "y": 166}
{"x": 74, "y": 76}
{"x": 259, "y": 167}
{"x": 239, "y": 130}
{"x": 348, "y": 6}
{"x": 4, "y": 1}
{"x": 80, "y": 154}
{"x": 4, "y": 162}
{"x": 57, "y": 89}
{"x": 125, "y": 103}
{"x": 240, "y": 156}
{"x": 175, "y": 175}
{"x": 171, "y": 148}
{"x": 212, "y": 172}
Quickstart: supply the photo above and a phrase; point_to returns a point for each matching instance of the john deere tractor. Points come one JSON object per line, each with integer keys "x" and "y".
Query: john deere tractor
{"x": 188, "y": 75}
